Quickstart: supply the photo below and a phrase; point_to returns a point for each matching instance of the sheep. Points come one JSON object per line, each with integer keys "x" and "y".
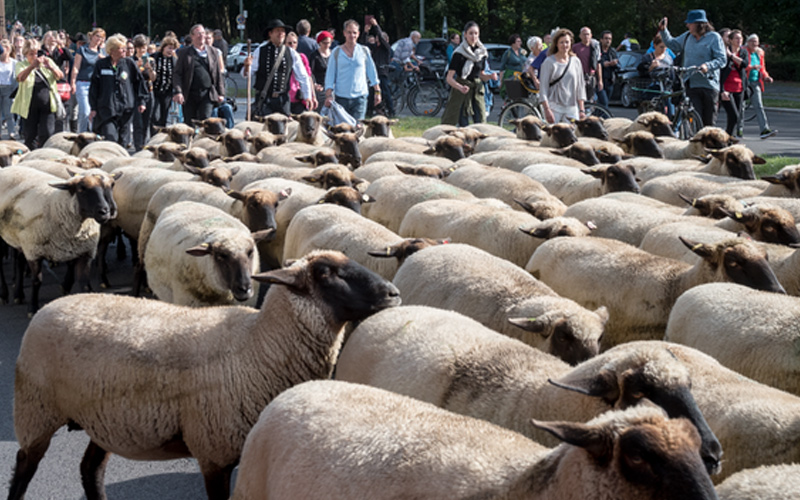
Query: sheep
{"x": 635, "y": 199}
{"x": 733, "y": 161}
{"x": 346, "y": 147}
{"x": 624, "y": 221}
{"x": 580, "y": 151}
{"x": 489, "y": 129}
{"x": 54, "y": 168}
{"x": 641, "y": 143}
{"x": 422, "y": 170}
{"x": 166, "y": 151}
{"x": 763, "y": 222}
{"x": 46, "y": 217}
{"x": 433, "y": 133}
{"x": 558, "y": 226}
{"x": 492, "y": 228}
{"x": 337, "y": 228}
{"x": 373, "y": 171}
{"x": 409, "y": 158}
{"x": 591, "y": 126}
{"x": 670, "y": 188}
{"x": 197, "y": 255}
{"x": 263, "y": 139}
{"x": 211, "y": 127}
{"x": 377, "y": 444}
{"x": 664, "y": 240}
{"x": 529, "y": 128}
{"x": 179, "y": 133}
{"x": 510, "y": 301}
{"x": 571, "y": 185}
{"x": 772, "y": 482}
{"x": 394, "y": 196}
{"x": 285, "y": 157}
{"x": 605, "y": 151}
{"x": 785, "y": 183}
{"x": 307, "y": 128}
{"x": 103, "y": 151}
{"x": 451, "y": 361}
{"x": 639, "y": 288}
{"x": 276, "y": 123}
{"x": 761, "y": 346}
{"x": 51, "y": 154}
{"x": 517, "y": 160}
{"x": 373, "y": 145}
{"x": 558, "y": 135}
{"x": 707, "y": 138}
{"x": 502, "y": 143}
{"x": 471, "y": 137}
{"x": 204, "y": 374}
{"x": 654, "y": 122}
{"x": 755, "y": 424}
{"x": 378, "y": 126}
{"x": 449, "y": 146}
{"x": 715, "y": 206}
{"x": 507, "y": 186}
{"x": 71, "y": 143}
{"x": 791, "y": 205}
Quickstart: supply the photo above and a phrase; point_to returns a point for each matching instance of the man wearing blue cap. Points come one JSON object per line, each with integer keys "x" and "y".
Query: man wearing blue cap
{"x": 702, "y": 47}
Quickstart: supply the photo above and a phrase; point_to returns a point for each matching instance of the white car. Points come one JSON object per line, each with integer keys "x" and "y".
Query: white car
{"x": 236, "y": 56}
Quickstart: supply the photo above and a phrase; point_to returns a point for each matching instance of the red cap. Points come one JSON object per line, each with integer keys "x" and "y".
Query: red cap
{"x": 322, "y": 35}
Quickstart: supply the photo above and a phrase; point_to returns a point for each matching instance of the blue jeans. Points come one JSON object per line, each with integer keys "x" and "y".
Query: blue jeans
{"x": 224, "y": 110}
{"x": 82, "y": 94}
{"x": 356, "y": 106}
{"x": 603, "y": 95}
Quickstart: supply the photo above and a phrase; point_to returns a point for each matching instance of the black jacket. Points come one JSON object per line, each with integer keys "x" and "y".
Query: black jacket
{"x": 115, "y": 90}
{"x": 732, "y": 66}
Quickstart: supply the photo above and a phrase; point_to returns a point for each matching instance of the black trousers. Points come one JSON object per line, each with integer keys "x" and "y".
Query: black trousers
{"x": 117, "y": 128}
{"x": 197, "y": 109}
{"x": 141, "y": 123}
{"x": 41, "y": 122}
{"x": 280, "y": 104}
{"x": 704, "y": 101}
{"x": 161, "y": 105}
{"x": 732, "y": 109}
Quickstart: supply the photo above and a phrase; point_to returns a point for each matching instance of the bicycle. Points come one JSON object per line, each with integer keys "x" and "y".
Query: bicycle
{"x": 686, "y": 121}
{"x": 424, "y": 95}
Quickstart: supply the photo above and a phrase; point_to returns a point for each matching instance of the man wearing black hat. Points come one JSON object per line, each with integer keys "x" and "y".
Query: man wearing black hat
{"x": 701, "y": 46}
{"x": 276, "y": 62}
{"x": 197, "y": 78}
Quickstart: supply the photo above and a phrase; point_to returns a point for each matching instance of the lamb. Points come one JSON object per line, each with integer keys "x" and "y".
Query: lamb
{"x": 707, "y": 138}
{"x": 451, "y": 361}
{"x": 639, "y": 288}
{"x": 197, "y": 255}
{"x": 761, "y": 346}
{"x": 654, "y": 122}
{"x": 641, "y": 143}
{"x": 770, "y": 482}
{"x": 337, "y": 228}
{"x": 46, "y": 217}
{"x": 378, "y": 126}
{"x": 755, "y": 424}
{"x": 378, "y": 444}
{"x": 508, "y": 186}
{"x": 179, "y": 356}
{"x": 571, "y": 185}
{"x": 492, "y": 228}
{"x": 396, "y": 195}
{"x": 510, "y": 301}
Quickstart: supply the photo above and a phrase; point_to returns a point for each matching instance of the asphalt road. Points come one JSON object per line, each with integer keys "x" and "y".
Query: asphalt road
{"x": 58, "y": 476}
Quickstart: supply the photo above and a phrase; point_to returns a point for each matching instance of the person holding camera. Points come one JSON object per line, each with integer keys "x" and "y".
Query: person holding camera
{"x": 36, "y": 96}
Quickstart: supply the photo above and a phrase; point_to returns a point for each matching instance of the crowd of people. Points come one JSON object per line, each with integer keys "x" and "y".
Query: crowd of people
{"x": 125, "y": 89}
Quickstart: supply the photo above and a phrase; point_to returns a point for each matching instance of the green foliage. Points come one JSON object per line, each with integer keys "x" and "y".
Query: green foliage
{"x": 414, "y": 126}
{"x": 785, "y": 68}
{"x": 774, "y": 164}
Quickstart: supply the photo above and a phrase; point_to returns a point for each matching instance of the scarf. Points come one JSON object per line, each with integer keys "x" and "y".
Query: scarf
{"x": 472, "y": 56}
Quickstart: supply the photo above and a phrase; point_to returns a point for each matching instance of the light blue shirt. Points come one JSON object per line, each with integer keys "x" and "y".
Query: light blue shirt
{"x": 709, "y": 50}
{"x": 348, "y": 76}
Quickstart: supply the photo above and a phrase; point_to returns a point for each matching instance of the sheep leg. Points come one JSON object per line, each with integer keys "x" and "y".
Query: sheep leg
{"x": 19, "y": 276}
{"x": 121, "y": 253}
{"x": 139, "y": 279}
{"x": 217, "y": 480}
{"x": 3, "y": 283}
{"x": 93, "y": 471}
{"x": 36, "y": 283}
{"x": 134, "y": 250}
{"x": 107, "y": 235}
{"x": 27, "y": 463}
{"x": 69, "y": 278}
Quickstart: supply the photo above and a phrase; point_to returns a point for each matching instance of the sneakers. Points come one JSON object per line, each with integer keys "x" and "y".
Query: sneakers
{"x": 740, "y": 132}
{"x": 768, "y": 133}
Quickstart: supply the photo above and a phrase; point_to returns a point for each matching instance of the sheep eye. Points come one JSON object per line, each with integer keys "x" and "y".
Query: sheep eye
{"x": 637, "y": 395}
{"x": 635, "y": 460}
{"x": 732, "y": 263}
{"x": 612, "y": 174}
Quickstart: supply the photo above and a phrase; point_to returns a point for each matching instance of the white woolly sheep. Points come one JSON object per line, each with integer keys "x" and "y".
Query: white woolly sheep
{"x": 43, "y": 153}
{"x": 378, "y": 126}
{"x": 492, "y": 227}
{"x": 451, "y": 147}
{"x": 205, "y": 374}
{"x": 307, "y": 128}
{"x": 664, "y": 240}
{"x": 785, "y": 183}
{"x": 639, "y": 288}
{"x": 373, "y": 145}
{"x": 409, "y": 158}
{"x": 394, "y": 196}
{"x": 197, "y": 255}
{"x": 289, "y": 157}
{"x": 605, "y": 151}
{"x": 758, "y": 341}
{"x": 517, "y": 160}
{"x": 103, "y": 151}
{"x": 513, "y": 188}
{"x": 641, "y": 143}
{"x": 591, "y": 127}
{"x": 46, "y": 217}
{"x": 503, "y": 297}
{"x": 755, "y": 424}
{"x": 453, "y": 362}
{"x": 571, "y": 185}
{"x": 712, "y": 205}
{"x": 771, "y": 482}
{"x": 671, "y": 188}
{"x": 733, "y": 161}
{"x": 654, "y": 122}
{"x": 707, "y": 138}
{"x": 377, "y": 444}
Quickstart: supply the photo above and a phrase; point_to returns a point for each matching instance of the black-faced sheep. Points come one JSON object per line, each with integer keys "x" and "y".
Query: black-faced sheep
{"x": 377, "y": 444}
{"x": 641, "y": 143}
{"x": 451, "y": 361}
{"x": 378, "y": 126}
{"x": 503, "y": 297}
{"x": 571, "y": 185}
{"x": 654, "y": 122}
{"x": 204, "y": 375}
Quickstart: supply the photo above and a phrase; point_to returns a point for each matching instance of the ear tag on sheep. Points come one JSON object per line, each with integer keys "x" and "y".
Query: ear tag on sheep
{"x": 321, "y": 201}
{"x": 738, "y": 215}
{"x": 696, "y": 247}
{"x": 591, "y": 225}
{"x": 388, "y": 251}
{"x": 197, "y": 131}
{"x": 19, "y": 152}
{"x": 694, "y": 202}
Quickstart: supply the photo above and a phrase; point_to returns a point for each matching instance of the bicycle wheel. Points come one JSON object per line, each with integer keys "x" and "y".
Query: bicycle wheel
{"x": 231, "y": 91}
{"x": 425, "y": 99}
{"x": 514, "y": 110}
{"x": 687, "y": 124}
{"x": 749, "y": 111}
{"x": 398, "y": 96}
{"x": 598, "y": 110}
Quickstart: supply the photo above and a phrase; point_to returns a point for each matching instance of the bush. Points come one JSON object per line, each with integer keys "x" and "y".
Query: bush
{"x": 786, "y": 68}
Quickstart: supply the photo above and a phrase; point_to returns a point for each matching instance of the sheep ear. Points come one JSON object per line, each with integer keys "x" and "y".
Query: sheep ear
{"x": 305, "y": 159}
{"x": 200, "y": 250}
{"x": 311, "y": 178}
{"x": 264, "y": 235}
{"x": 429, "y": 151}
{"x": 594, "y": 172}
{"x": 560, "y": 152}
{"x": 590, "y": 438}
{"x": 757, "y": 160}
{"x": 536, "y": 232}
{"x": 533, "y": 325}
{"x": 406, "y": 169}
{"x": 360, "y": 131}
{"x": 192, "y": 169}
{"x": 778, "y": 179}
{"x": 293, "y": 277}
{"x": 365, "y": 198}
{"x": 602, "y": 385}
{"x": 235, "y": 170}
{"x": 62, "y": 185}
{"x": 236, "y": 195}
{"x": 602, "y": 311}
{"x": 385, "y": 253}
{"x": 700, "y": 249}
{"x": 737, "y": 216}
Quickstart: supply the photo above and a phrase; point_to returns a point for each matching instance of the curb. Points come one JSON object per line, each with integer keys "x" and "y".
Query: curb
{"x": 782, "y": 110}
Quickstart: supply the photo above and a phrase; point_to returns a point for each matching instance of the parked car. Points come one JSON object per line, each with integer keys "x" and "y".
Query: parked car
{"x": 626, "y": 77}
{"x": 236, "y": 56}
{"x": 496, "y": 51}
{"x": 432, "y": 52}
